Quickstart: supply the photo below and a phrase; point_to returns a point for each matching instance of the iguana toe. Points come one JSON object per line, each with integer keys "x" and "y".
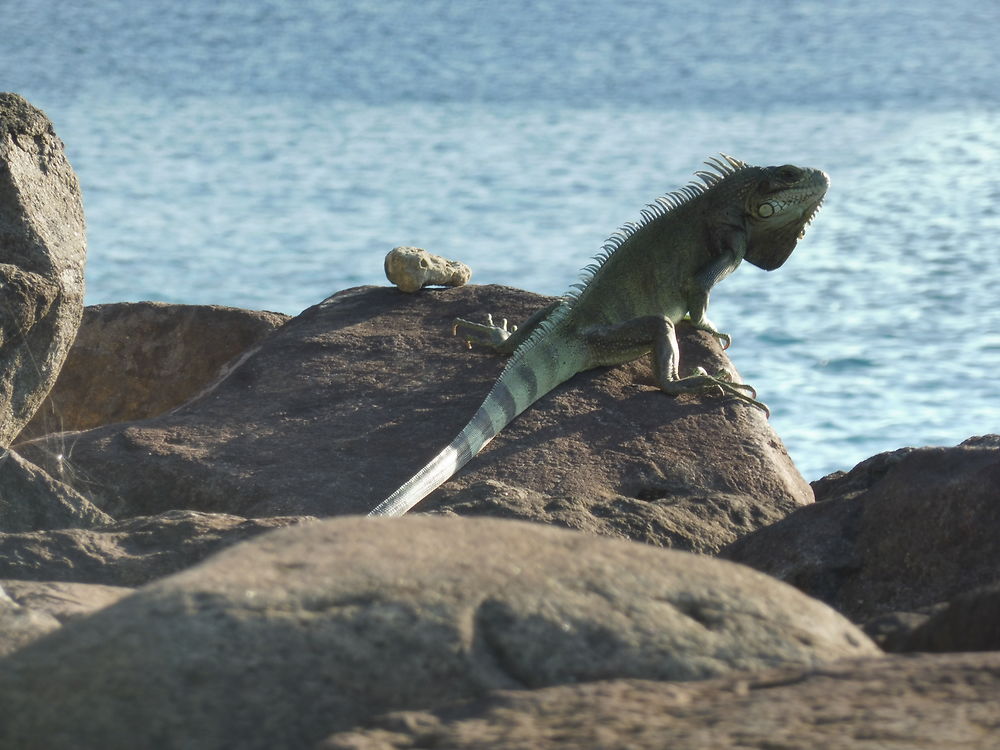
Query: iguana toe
{"x": 699, "y": 381}
{"x": 487, "y": 334}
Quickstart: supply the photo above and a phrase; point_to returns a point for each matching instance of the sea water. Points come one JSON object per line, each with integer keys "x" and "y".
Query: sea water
{"x": 266, "y": 154}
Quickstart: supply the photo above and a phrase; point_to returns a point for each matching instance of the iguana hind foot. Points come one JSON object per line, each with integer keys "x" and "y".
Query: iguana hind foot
{"x": 488, "y": 333}
{"x": 500, "y": 338}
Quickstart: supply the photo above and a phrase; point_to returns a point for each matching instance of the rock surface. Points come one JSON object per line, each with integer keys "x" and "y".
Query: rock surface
{"x": 21, "y": 625}
{"x": 126, "y": 553}
{"x": 413, "y": 268}
{"x": 303, "y": 632}
{"x": 901, "y": 531}
{"x": 63, "y": 601}
{"x": 137, "y": 360}
{"x": 345, "y": 402}
{"x": 970, "y": 622}
{"x": 31, "y": 500}
{"x": 42, "y": 253}
{"x": 930, "y": 702}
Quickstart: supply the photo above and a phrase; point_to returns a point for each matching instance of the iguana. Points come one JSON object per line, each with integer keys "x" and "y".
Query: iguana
{"x": 648, "y": 276}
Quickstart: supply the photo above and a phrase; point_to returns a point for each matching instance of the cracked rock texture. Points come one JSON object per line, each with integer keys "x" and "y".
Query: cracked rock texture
{"x": 283, "y": 640}
{"x": 43, "y": 248}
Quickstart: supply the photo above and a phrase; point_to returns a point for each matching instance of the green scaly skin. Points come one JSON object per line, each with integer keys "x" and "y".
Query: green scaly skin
{"x": 648, "y": 277}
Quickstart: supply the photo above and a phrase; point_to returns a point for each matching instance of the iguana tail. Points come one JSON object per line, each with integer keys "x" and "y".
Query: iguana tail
{"x": 538, "y": 366}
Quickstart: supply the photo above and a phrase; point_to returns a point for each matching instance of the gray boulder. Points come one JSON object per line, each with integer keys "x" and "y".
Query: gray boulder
{"x": 283, "y": 640}
{"x": 42, "y": 252}
{"x": 342, "y": 404}
{"x": 917, "y": 703}
{"x": 901, "y": 532}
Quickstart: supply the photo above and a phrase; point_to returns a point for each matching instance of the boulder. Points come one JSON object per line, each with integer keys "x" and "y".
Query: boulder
{"x": 42, "y": 252}
{"x": 929, "y": 702}
{"x": 129, "y": 552}
{"x": 282, "y": 640}
{"x": 892, "y": 630}
{"x": 31, "y": 500}
{"x": 342, "y": 404}
{"x": 161, "y": 356}
{"x": 970, "y": 622}
{"x": 900, "y": 532}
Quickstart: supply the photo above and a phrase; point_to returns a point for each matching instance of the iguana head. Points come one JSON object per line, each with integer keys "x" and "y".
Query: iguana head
{"x": 779, "y": 204}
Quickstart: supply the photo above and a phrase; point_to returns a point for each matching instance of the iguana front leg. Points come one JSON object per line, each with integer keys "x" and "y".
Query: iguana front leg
{"x": 656, "y": 332}
{"x": 500, "y": 338}
{"x": 704, "y": 324}
{"x": 730, "y": 245}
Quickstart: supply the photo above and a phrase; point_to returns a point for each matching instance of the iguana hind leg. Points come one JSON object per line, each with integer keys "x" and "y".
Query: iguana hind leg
{"x": 500, "y": 338}
{"x": 615, "y": 343}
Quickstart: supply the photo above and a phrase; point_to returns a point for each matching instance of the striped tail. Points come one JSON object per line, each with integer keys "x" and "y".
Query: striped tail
{"x": 536, "y": 368}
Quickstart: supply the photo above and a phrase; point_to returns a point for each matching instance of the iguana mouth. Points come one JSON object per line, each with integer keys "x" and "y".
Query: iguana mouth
{"x": 810, "y": 217}
{"x": 822, "y": 183}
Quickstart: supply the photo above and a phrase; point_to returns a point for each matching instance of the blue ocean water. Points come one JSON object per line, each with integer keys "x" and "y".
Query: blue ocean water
{"x": 266, "y": 154}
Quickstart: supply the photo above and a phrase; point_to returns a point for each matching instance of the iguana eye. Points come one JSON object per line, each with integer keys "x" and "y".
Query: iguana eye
{"x": 788, "y": 173}
{"x": 764, "y": 210}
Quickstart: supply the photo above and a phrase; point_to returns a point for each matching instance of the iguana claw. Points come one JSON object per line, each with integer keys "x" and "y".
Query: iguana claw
{"x": 725, "y": 340}
{"x": 722, "y": 381}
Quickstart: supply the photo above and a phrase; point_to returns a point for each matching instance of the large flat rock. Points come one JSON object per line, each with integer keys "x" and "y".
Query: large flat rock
{"x": 284, "y": 639}
{"x": 43, "y": 248}
{"x": 917, "y": 703}
{"x": 342, "y": 404}
{"x": 130, "y": 552}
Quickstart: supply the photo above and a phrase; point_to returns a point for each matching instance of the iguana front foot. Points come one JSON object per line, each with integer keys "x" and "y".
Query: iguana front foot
{"x": 699, "y": 381}
{"x": 488, "y": 334}
{"x": 705, "y": 325}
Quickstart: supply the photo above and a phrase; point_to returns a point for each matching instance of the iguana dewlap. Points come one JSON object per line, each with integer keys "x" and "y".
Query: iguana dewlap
{"x": 648, "y": 276}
